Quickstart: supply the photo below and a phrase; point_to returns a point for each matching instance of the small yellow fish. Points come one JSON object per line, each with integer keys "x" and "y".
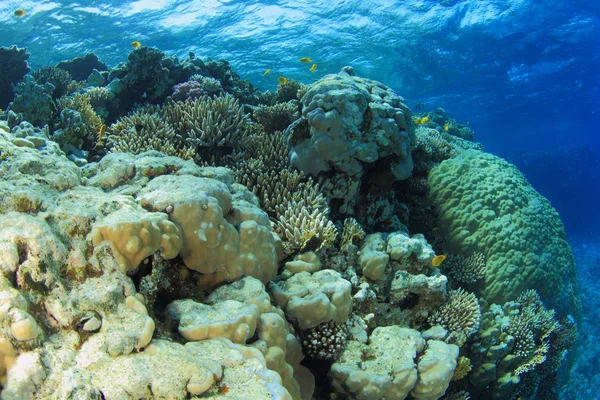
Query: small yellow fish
{"x": 424, "y": 120}
{"x": 313, "y": 68}
{"x": 267, "y": 72}
{"x": 305, "y": 60}
{"x": 436, "y": 229}
{"x": 136, "y": 44}
{"x": 438, "y": 260}
{"x": 20, "y": 13}
{"x": 102, "y": 129}
{"x": 446, "y": 127}
{"x": 282, "y": 80}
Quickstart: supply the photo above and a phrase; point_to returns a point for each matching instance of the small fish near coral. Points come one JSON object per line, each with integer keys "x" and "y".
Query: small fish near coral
{"x": 19, "y": 13}
{"x": 282, "y": 80}
{"x": 136, "y": 44}
{"x": 421, "y": 121}
{"x": 438, "y": 260}
{"x": 267, "y": 72}
{"x": 313, "y": 68}
{"x": 446, "y": 127}
{"x": 306, "y": 60}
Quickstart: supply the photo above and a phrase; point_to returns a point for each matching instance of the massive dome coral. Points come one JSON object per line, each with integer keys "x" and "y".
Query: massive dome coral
{"x": 486, "y": 205}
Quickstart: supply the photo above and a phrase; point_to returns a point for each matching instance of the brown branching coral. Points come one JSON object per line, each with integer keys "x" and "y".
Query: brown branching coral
{"x": 288, "y": 91}
{"x": 269, "y": 148}
{"x": 143, "y": 130}
{"x": 99, "y": 96}
{"x": 208, "y": 122}
{"x": 467, "y": 269}
{"x": 276, "y": 117}
{"x": 302, "y": 221}
{"x": 462, "y": 395}
{"x": 460, "y": 316}
{"x": 463, "y": 367}
{"x": 352, "y": 231}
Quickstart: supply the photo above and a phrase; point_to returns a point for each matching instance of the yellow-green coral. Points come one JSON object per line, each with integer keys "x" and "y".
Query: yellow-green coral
{"x": 486, "y": 205}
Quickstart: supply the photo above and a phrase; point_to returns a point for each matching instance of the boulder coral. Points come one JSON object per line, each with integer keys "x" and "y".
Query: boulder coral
{"x": 486, "y": 205}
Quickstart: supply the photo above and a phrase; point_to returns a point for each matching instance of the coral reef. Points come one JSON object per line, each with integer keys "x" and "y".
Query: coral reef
{"x": 13, "y": 67}
{"x": 164, "y": 210}
{"x": 80, "y": 68}
{"x": 33, "y": 102}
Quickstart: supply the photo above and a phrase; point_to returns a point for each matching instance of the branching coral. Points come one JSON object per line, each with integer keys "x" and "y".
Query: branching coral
{"x": 460, "y": 316}
{"x": 210, "y": 86}
{"x": 302, "y": 222}
{"x": 468, "y": 269}
{"x": 276, "y": 117}
{"x": 289, "y": 91}
{"x": 463, "y": 367}
{"x": 350, "y": 232}
{"x": 208, "y": 122}
{"x": 145, "y": 129}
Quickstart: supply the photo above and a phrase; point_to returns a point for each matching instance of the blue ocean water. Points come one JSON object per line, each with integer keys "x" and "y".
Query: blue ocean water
{"x": 525, "y": 75}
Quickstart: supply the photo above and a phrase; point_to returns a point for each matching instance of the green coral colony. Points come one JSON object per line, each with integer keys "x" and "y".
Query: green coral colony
{"x": 169, "y": 232}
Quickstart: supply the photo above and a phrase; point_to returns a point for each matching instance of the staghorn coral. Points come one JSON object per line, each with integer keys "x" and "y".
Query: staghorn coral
{"x": 460, "y": 316}
{"x": 468, "y": 269}
{"x": 276, "y": 117}
{"x": 143, "y": 130}
{"x": 208, "y": 122}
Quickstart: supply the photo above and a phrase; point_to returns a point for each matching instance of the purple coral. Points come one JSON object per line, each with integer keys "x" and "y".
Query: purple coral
{"x": 187, "y": 90}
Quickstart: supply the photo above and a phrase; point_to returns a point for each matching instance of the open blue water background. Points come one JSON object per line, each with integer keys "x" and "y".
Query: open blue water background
{"x": 524, "y": 73}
